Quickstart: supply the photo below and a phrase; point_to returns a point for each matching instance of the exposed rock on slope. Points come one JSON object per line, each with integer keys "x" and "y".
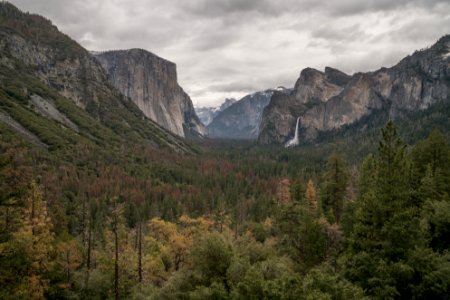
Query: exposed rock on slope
{"x": 326, "y": 102}
{"x": 151, "y": 83}
{"x": 45, "y": 75}
{"x": 316, "y": 86}
{"x": 279, "y": 119}
{"x": 242, "y": 119}
{"x": 7, "y": 120}
{"x": 48, "y": 109}
{"x": 312, "y": 88}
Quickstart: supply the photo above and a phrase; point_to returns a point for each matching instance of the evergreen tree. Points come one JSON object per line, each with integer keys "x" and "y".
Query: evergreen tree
{"x": 211, "y": 256}
{"x": 368, "y": 175}
{"x": 431, "y": 158}
{"x": 334, "y": 188}
{"x": 386, "y": 222}
{"x": 297, "y": 191}
{"x": 301, "y": 235}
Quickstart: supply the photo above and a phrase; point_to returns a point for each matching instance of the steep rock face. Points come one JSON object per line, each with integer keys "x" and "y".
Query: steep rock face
{"x": 356, "y": 100}
{"x": 207, "y": 114}
{"x": 312, "y": 88}
{"x": 71, "y": 71}
{"x": 151, "y": 83}
{"x": 45, "y": 72}
{"x": 242, "y": 119}
{"x": 282, "y": 111}
{"x": 415, "y": 83}
{"x": 316, "y": 86}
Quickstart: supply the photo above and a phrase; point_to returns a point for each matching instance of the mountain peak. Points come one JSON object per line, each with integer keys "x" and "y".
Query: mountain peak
{"x": 444, "y": 39}
{"x": 308, "y": 72}
{"x": 207, "y": 114}
{"x": 242, "y": 119}
{"x": 227, "y": 103}
{"x": 336, "y": 76}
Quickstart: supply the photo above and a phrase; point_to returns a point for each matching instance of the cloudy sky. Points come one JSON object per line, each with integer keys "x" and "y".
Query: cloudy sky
{"x": 229, "y": 48}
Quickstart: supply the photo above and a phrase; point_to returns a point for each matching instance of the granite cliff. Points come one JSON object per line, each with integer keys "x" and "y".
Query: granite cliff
{"x": 59, "y": 93}
{"x": 329, "y": 100}
{"x": 151, "y": 83}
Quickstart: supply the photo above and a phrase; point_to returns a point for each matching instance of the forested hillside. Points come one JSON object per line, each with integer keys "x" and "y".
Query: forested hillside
{"x": 56, "y": 94}
{"x": 227, "y": 224}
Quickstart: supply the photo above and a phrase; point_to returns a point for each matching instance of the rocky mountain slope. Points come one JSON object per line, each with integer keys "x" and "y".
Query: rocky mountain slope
{"x": 56, "y": 91}
{"x": 329, "y": 100}
{"x": 151, "y": 83}
{"x": 242, "y": 119}
{"x": 207, "y": 114}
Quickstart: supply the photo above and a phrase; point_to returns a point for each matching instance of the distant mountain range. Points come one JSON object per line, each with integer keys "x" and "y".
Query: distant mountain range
{"x": 49, "y": 82}
{"x": 241, "y": 120}
{"x": 327, "y": 101}
{"x": 207, "y": 114}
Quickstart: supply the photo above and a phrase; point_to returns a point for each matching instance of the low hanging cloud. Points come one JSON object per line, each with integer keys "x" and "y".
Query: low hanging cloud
{"x": 229, "y": 48}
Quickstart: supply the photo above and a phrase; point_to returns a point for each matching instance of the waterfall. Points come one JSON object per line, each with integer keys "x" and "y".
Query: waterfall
{"x": 294, "y": 141}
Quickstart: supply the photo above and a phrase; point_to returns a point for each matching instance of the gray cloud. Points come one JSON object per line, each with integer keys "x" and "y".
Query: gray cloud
{"x": 212, "y": 9}
{"x": 234, "y": 86}
{"x": 228, "y": 48}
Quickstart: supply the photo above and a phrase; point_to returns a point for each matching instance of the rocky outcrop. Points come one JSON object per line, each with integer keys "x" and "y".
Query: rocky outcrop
{"x": 7, "y": 120}
{"x": 207, "y": 114}
{"x": 311, "y": 89}
{"x": 48, "y": 109}
{"x": 279, "y": 119}
{"x": 44, "y": 72}
{"x": 315, "y": 86}
{"x": 242, "y": 119}
{"x": 151, "y": 83}
{"x": 72, "y": 71}
{"x": 330, "y": 100}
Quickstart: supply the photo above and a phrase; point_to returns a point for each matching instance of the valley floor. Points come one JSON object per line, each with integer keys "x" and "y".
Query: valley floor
{"x": 233, "y": 221}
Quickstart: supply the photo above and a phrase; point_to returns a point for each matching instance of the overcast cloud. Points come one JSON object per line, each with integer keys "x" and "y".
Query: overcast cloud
{"x": 229, "y": 48}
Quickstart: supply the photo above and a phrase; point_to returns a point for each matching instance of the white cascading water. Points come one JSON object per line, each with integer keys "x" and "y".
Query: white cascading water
{"x": 294, "y": 141}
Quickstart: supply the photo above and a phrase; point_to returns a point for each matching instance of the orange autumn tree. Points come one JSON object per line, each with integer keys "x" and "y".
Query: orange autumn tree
{"x": 174, "y": 245}
{"x": 35, "y": 239}
{"x": 284, "y": 195}
{"x": 194, "y": 226}
{"x": 168, "y": 245}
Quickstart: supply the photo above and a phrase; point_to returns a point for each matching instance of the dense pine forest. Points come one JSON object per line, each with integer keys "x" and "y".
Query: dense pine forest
{"x": 229, "y": 221}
